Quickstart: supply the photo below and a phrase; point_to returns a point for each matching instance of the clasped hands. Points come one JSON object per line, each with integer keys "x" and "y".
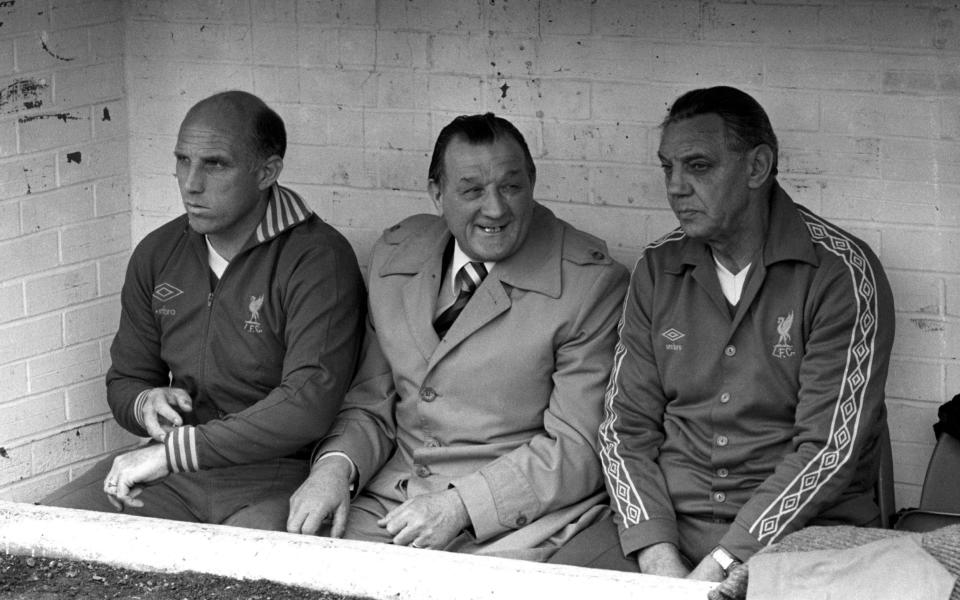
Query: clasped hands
{"x": 427, "y": 521}
{"x": 131, "y": 471}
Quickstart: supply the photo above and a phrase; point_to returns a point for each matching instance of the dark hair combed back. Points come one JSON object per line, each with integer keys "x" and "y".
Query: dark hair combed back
{"x": 745, "y": 120}
{"x": 477, "y": 129}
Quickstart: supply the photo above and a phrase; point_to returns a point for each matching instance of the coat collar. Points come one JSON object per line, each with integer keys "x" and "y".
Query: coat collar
{"x": 535, "y": 266}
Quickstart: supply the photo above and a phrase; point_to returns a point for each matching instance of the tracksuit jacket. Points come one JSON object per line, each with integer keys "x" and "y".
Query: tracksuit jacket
{"x": 266, "y": 352}
{"x": 765, "y": 416}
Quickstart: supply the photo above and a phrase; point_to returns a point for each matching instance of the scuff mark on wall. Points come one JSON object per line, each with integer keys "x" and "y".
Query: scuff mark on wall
{"x": 3, "y": 452}
{"x": 106, "y": 114}
{"x": 22, "y": 94}
{"x": 44, "y": 39}
{"x": 62, "y": 116}
{"x": 928, "y": 325}
{"x": 74, "y": 157}
{"x": 503, "y": 90}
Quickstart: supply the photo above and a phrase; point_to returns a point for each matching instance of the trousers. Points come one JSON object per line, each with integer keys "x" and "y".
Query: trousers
{"x": 255, "y": 496}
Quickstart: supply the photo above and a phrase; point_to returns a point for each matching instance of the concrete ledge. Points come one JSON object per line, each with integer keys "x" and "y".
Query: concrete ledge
{"x": 346, "y": 567}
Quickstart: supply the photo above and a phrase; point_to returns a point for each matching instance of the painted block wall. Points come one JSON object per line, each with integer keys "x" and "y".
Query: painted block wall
{"x": 64, "y": 236}
{"x": 864, "y": 95}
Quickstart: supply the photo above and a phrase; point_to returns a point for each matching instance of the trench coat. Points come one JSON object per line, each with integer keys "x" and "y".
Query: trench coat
{"x": 505, "y": 408}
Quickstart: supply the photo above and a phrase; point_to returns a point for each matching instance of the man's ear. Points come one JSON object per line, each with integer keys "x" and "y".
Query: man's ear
{"x": 760, "y": 163}
{"x": 269, "y": 172}
{"x": 436, "y": 194}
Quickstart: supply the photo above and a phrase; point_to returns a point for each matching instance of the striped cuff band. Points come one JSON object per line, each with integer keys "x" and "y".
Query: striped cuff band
{"x": 138, "y": 408}
{"x": 181, "y": 446}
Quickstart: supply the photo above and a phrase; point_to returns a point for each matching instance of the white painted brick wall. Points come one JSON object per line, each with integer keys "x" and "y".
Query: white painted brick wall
{"x": 864, "y": 95}
{"x": 64, "y": 238}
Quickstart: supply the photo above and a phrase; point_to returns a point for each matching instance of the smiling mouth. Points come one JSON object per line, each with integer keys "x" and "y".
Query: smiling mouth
{"x": 492, "y": 229}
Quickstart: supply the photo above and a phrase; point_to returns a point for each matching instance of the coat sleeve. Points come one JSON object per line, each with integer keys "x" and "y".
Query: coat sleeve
{"x": 632, "y": 429}
{"x": 840, "y": 404}
{"x": 365, "y": 428}
{"x": 322, "y": 336}
{"x": 558, "y": 466}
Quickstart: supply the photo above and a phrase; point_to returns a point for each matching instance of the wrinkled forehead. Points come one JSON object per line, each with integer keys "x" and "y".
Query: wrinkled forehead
{"x": 706, "y": 131}
{"x": 465, "y": 158}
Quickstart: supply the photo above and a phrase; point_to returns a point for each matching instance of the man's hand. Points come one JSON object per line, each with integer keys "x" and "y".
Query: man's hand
{"x": 159, "y": 410}
{"x": 662, "y": 559}
{"x": 131, "y": 471}
{"x": 325, "y": 494}
{"x": 427, "y": 521}
{"x": 708, "y": 570}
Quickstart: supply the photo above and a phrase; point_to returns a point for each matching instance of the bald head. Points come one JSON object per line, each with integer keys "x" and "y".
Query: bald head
{"x": 247, "y": 116}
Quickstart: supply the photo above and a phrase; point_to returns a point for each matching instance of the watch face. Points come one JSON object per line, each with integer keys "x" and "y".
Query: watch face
{"x": 724, "y": 558}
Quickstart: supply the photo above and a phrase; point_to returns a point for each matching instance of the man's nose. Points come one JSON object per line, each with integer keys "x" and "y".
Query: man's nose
{"x": 676, "y": 184}
{"x": 192, "y": 179}
{"x": 493, "y": 205}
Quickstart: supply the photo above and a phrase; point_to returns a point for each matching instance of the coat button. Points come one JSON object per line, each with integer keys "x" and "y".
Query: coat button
{"x": 730, "y": 350}
{"x": 431, "y": 443}
{"x": 596, "y": 254}
{"x": 722, "y": 472}
{"x": 423, "y": 471}
{"x": 428, "y": 394}
{"x": 719, "y": 497}
{"x": 521, "y": 521}
{"x": 722, "y": 440}
{"x": 724, "y": 398}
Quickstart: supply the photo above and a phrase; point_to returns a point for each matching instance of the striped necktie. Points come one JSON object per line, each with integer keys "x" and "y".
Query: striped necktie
{"x": 468, "y": 278}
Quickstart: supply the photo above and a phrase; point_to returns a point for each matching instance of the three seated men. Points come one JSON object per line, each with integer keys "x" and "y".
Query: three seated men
{"x": 743, "y": 401}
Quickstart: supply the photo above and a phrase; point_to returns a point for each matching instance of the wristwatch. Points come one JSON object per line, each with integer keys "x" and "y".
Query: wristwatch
{"x": 726, "y": 560}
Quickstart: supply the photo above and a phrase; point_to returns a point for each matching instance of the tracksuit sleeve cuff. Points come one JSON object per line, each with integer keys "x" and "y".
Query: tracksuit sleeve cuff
{"x": 740, "y": 543}
{"x": 138, "y": 408}
{"x": 654, "y": 531}
{"x": 181, "y": 447}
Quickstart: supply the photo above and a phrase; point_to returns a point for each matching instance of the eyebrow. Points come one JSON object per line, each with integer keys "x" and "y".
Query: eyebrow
{"x": 691, "y": 156}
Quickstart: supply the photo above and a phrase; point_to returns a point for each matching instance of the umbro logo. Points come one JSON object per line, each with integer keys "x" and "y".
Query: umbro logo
{"x": 166, "y": 292}
{"x": 673, "y": 336}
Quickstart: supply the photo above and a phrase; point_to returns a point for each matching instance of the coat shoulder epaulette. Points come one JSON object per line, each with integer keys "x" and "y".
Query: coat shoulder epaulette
{"x": 579, "y": 247}
{"x": 411, "y": 225}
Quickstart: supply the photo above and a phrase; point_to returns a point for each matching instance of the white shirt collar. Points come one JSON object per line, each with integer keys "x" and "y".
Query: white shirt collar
{"x": 218, "y": 264}
{"x": 732, "y": 285}
{"x": 460, "y": 259}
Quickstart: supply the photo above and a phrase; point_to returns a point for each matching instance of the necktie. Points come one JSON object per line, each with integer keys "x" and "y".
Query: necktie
{"x": 468, "y": 278}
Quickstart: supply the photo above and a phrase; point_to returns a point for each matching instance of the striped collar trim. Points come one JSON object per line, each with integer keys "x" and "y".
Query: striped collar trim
{"x": 286, "y": 209}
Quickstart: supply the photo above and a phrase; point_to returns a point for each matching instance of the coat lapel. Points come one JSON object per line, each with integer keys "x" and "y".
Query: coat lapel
{"x": 420, "y": 257}
{"x": 489, "y": 301}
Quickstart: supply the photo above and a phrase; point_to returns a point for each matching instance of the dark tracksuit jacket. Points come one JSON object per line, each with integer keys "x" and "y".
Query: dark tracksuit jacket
{"x": 765, "y": 417}
{"x": 266, "y": 353}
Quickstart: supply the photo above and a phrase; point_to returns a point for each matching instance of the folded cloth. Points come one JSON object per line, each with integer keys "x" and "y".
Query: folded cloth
{"x": 942, "y": 544}
{"x": 896, "y": 568}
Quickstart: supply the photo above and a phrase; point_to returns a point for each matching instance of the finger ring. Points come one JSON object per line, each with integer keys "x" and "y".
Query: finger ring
{"x": 414, "y": 545}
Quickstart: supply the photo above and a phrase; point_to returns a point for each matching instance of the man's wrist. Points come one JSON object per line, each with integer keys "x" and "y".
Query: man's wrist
{"x": 347, "y": 461}
{"x": 726, "y": 560}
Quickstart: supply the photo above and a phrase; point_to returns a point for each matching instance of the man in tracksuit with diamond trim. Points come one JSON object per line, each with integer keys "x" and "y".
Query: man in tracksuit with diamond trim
{"x": 240, "y": 328}
{"x": 747, "y": 394}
